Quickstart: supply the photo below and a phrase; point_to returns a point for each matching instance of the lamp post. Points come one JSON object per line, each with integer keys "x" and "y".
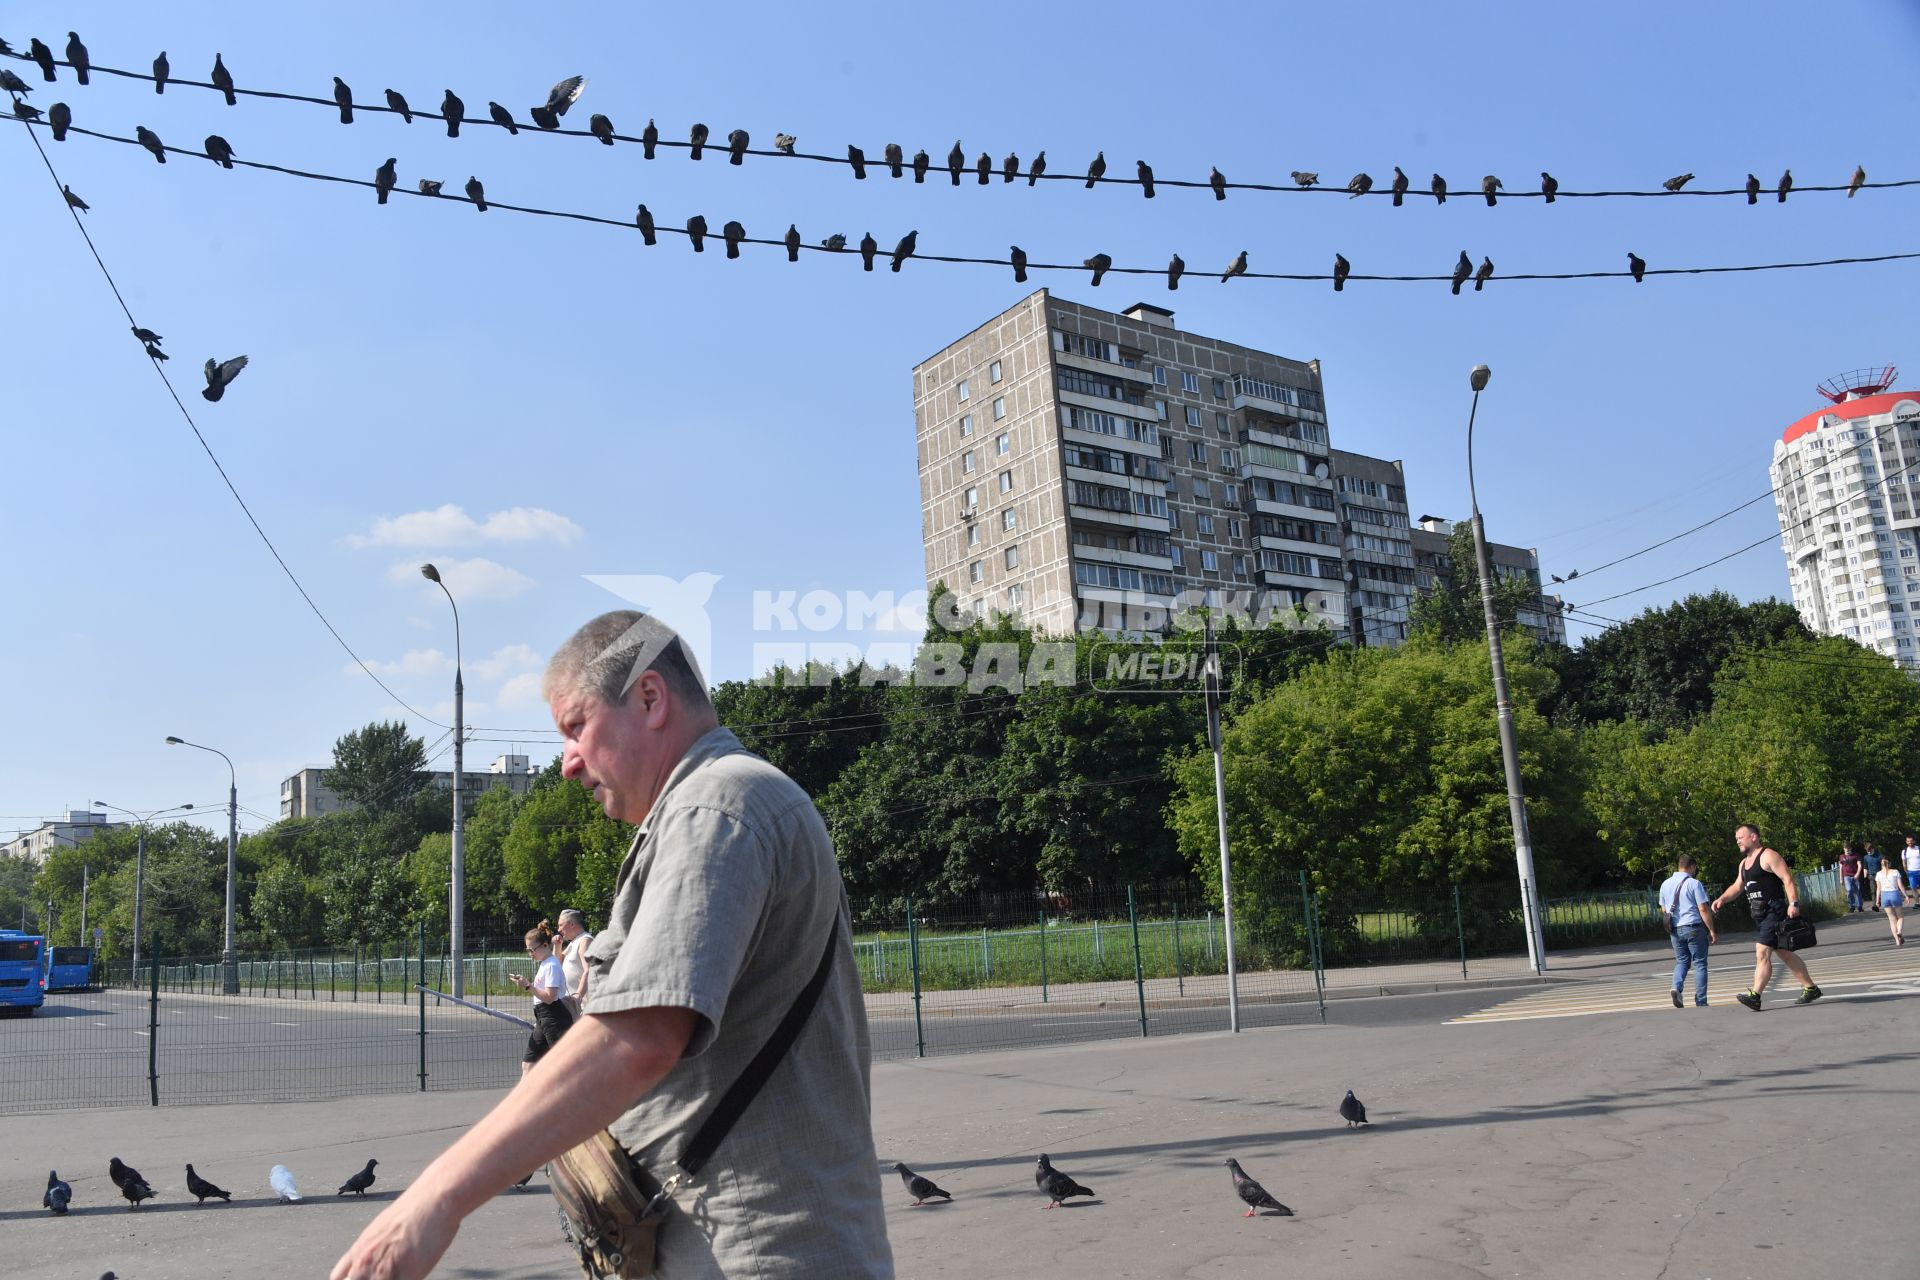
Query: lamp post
{"x": 1503, "y": 703}
{"x": 229, "y": 964}
{"x": 457, "y": 889}
{"x": 139, "y": 863}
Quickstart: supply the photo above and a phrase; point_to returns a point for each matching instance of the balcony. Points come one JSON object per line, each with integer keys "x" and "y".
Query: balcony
{"x": 1069, "y": 360}
{"x": 1278, "y": 399}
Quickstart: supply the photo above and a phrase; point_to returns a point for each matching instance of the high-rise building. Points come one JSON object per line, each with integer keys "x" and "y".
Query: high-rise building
{"x": 1844, "y": 485}
{"x": 1434, "y": 571}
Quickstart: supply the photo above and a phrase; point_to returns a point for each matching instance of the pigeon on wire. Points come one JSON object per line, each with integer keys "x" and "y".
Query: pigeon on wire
{"x": 1484, "y": 274}
{"x": 156, "y": 354}
{"x": 1340, "y": 269}
{"x": 1549, "y": 185}
{"x": 868, "y": 248}
{"x": 1677, "y": 181}
{"x": 1399, "y": 186}
{"x": 1218, "y": 181}
{"x": 565, "y": 94}
{"x": 921, "y": 1189}
{"x": 855, "y": 157}
{"x": 792, "y": 241}
{"x": 281, "y": 1180}
{"x": 784, "y": 143}
{"x": 58, "y": 1194}
{"x": 643, "y": 219}
{"x": 602, "y": 128}
{"x": 1753, "y": 189}
{"x": 503, "y": 117}
{"x": 12, "y": 83}
{"x": 398, "y": 102}
{"x": 146, "y": 335}
{"x": 1176, "y": 267}
{"x": 42, "y": 56}
{"x": 1439, "y": 188}
{"x": 454, "y": 111}
{"x": 1145, "y": 173}
{"x": 904, "y": 250}
{"x": 1097, "y": 170}
{"x": 1010, "y": 167}
{"x": 733, "y": 232}
{"x": 1353, "y": 1111}
{"x": 737, "y": 142}
{"x": 1238, "y": 267}
{"x": 1038, "y": 167}
{"x": 956, "y": 161}
{"x": 151, "y": 141}
{"x": 77, "y": 55}
{"x": 1361, "y": 184}
{"x": 343, "y": 97}
{"x": 543, "y": 117}
{"x": 984, "y": 168}
{"x": 383, "y": 178}
{"x": 74, "y": 201}
{"x": 1253, "y": 1195}
{"x": 1637, "y": 265}
{"x": 220, "y": 374}
{"x": 359, "y": 1182}
{"x": 894, "y": 158}
{"x": 220, "y": 151}
{"x": 202, "y": 1190}
{"x": 24, "y": 112}
{"x": 1786, "y": 185}
{"x": 1057, "y": 1185}
{"x": 1303, "y": 179}
{"x": 921, "y": 160}
{"x": 696, "y": 139}
{"x": 1099, "y": 264}
{"x": 477, "y": 192}
{"x": 835, "y": 243}
{"x": 697, "y": 232}
{"x": 1854, "y": 183}
{"x": 1489, "y": 185}
{"x": 430, "y": 186}
{"x": 222, "y": 79}
{"x": 1019, "y": 260}
{"x": 1461, "y": 270}
{"x": 131, "y": 1184}
{"x": 649, "y": 139}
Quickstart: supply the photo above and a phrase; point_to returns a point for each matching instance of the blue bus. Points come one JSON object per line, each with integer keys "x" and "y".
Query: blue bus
{"x": 69, "y": 968}
{"x": 22, "y": 980}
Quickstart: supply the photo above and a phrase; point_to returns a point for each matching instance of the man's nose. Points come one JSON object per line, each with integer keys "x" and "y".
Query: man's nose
{"x": 570, "y": 763}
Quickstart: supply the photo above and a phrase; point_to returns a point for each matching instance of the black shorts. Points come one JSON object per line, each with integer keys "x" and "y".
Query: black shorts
{"x": 550, "y": 1022}
{"x": 1768, "y": 926}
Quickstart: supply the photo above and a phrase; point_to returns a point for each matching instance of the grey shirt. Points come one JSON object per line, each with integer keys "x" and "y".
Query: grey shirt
{"x": 723, "y": 906}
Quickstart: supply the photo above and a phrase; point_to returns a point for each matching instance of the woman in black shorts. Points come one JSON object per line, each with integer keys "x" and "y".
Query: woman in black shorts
{"x": 548, "y": 986}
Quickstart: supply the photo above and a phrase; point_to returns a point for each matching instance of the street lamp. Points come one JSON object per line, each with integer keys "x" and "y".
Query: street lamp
{"x": 139, "y": 863}
{"x": 1503, "y": 703}
{"x": 229, "y": 964}
{"x": 457, "y": 889}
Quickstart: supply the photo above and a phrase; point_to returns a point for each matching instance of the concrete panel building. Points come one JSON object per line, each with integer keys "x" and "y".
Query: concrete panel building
{"x": 78, "y": 827}
{"x": 305, "y": 795}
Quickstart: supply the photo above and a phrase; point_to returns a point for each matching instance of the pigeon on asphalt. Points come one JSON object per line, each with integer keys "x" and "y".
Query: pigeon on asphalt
{"x": 1858, "y": 180}
{"x": 12, "y": 83}
{"x": 454, "y": 111}
{"x": 920, "y": 162}
{"x": 77, "y": 55}
{"x": 1439, "y": 188}
{"x": 602, "y": 128}
{"x": 281, "y": 1180}
{"x": 894, "y": 157}
{"x": 43, "y": 56}
{"x": 359, "y": 1182}
{"x": 220, "y": 374}
{"x": 1461, "y": 270}
{"x": 565, "y": 94}
{"x": 733, "y": 233}
{"x": 1489, "y": 185}
{"x": 1238, "y": 267}
{"x": 1340, "y": 269}
{"x": 222, "y": 79}
{"x": 784, "y": 143}
{"x": 737, "y": 146}
{"x": 1218, "y": 181}
{"x": 220, "y": 151}
{"x": 1360, "y": 185}
{"x": 921, "y": 1189}
{"x": 858, "y": 159}
{"x": 1038, "y": 167}
{"x": 131, "y": 1184}
{"x": 1352, "y": 1110}
{"x": 1637, "y": 265}
{"x": 696, "y": 138}
{"x": 343, "y": 97}
{"x": 430, "y": 186}
{"x": 73, "y": 200}
{"x": 383, "y": 178}
{"x": 1753, "y": 189}
{"x": 1057, "y": 1185}
{"x": 1253, "y": 1195}
{"x": 151, "y": 141}
{"x": 1096, "y": 170}
{"x": 1549, "y": 185}
{"x": 502, "y": 117}
{"x": 649, "y": 139}
{"x": 1304, "y": 179}
{"x": 1786, "y": 185}
{"x": 1145, "y": 173}
{"x": 1176, "y": 267}
{"x": 835, "y": 243}
{"x": 201, "y": 1190}
{"x": 1677, "y": 181}
{"x": 956, "y": 161}
{"x": 58, "y": 1193}
{"x": 904, "y": 250}
{"x": 398, "y": 102}
{"x": 792, "y": 241}
{"x": 1019, "y": 260}
{"x": 697, "y": 232}
{"x": 1099, "y": 264}
{"x": 868, "y": 248}
{"x": 1399, "y": 186}
{"x": 643, "y": 219}
{"x": 477, "y": 192}
{"x": 1484, "y": 274}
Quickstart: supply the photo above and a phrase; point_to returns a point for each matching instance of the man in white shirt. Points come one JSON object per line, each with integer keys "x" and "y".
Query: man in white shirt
{"x": 1910, "y": 859}
{"x": 1689, "y": 915}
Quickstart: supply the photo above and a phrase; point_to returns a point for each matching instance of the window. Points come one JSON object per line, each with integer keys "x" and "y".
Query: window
{"x": 1006, "y": 482}
{"x": 973, "y": 535}
{"x": 1219, "y": 389}
{"x": 1159, "y": 376}
{"x": 1209, "y": 562}
{"x": 1088, "y": 574}
{"x": 1013, "y": 595}
{"x": 1239, "y": 566}
{"x": 1173, "y": 553}
{"x": 993, "y": 372}
{"x": 966, "y": 461}
{"x": 1160, "y": 410}
{"x": 974, "y": 571}
{"x": 1190, "y": 382}
{"x": 1193, "y": 415}
{"x": 961, "y": 389}
{"x": 971, "y": 498}
{"x": 1011, "y": 557}
{"x": 1009, "y": 519}
{"x": 1233, "y": 497}
{"x": 966, "y": 424}
{"x": 1234, "y": 526}
{"x": 1173, "y": 523}
{"x": 1227, "y": 459}
{"x": 1203, "y": 523}
{"x": 1196, "y": 452}
{"x": 1220, "y": 424}
{"x": 999, "y": 408}
{"x": 1002, "y": 445}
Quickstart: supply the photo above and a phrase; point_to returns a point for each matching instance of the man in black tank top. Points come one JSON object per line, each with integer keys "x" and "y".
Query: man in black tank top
{"x": 1772, "y": 896}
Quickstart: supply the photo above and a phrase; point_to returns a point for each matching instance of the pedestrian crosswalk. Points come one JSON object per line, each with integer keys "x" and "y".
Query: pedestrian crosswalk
{"x": 1880, "y": 971}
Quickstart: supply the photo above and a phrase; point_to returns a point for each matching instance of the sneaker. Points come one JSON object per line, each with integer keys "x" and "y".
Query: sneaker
{"x": 1678, "y": 1003}
{"x": 1809, "y": 994}
{"x": 1749, "y": 999}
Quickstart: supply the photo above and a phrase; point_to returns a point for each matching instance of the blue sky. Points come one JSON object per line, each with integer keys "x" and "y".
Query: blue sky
{"x": 538, "y": 401}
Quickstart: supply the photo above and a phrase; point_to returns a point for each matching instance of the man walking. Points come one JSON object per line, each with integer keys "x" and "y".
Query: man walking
{"x": 1872, "y": 861}
{"x": 1684, "y": 903}
{"x": 1910, "y": 859}
{"x": 1850, "y": 875}
{"x": 1773, "y": 897}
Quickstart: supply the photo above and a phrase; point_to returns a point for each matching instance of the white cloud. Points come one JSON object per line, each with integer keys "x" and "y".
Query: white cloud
{"x": 414, "y": 662}
{"x": 451, "y": 526}
{"x": 521, "y": 691}
{"x": 504, "y": 661}
{"x": 476, "y": 579}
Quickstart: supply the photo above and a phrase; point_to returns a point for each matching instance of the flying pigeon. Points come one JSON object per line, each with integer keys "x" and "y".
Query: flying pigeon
{"x": 430, "y": 187}
{"x": 58, "y": 1194}
{"x": 1399, "y": 186}
{"x": 1360, "y": 185}
{"x": 1489, "y": 185}
{"x": 1176, "y": 268}
{"x": 281, "y": 1180}
{"x": 1353, "y": 1111}
{"x": 25, "y": 112}
{"x": 220, "y": 151}
{"x": 1549, "y": 185}
{"x": 151, "y": 141}
{"x": 921, "y": 1189}
{"x": 1145, "y": 172}
{"x": 921, "y": 160}
{"x": 1461, "y": 270}
{"x": 12, "y": 83}
{"x": 1097, "y": 169}
{"x": 344, "y": 97}
{"x": 1858, "y": 180}
{"x": 835, "y": 243}
{"x": 1010, "y": 167}
{"x": 649, "y": 139}
{"x": 984, "y": 168}
{"x": 156, "y": 354}
{"x": 893, "y": 155}
{"x": 734, "y": 234}
{"x": 543, "y": 116}
{"x": 904, "y": 250}
{"x": 60, "y": 116}
{"x": 219, "y": 375}
{"x": 602, "y": 128}
{"x": 222, "y": 79}
{"x": 383, "y": 179}
{"x": 1057, "y": 1185}
{"x": 1218, "y": 181}
{"x": 1038, "y": 167}
{"x": 1253, "y": 1195}
{"x": 1302, "y": 179}
{"x": 1484, "y": 274}
{"x": 1637, "y": 265}
{"x": 1238, "y": 267}
{"x": 1753, "y": 189}
{"x": 643, "y": 219}
{"x": 131, "y": 1184}
{"x": 696, "y": 232}
{"x": 1786, "y": 185}
{"x": 42, "y": 55}
{"x": 200, "y": 1189}
{"x": 146, "y": 335}
{"x": 784, "y": 143}
{"x": 77, "y": 55}
{"x": 1678, "y": 181}
{"x": 1340, "y": 269}
{"x": 1019, "y": 260}
{"x": 858, "y": 159}
{"x": 74, "y": 200}
{"x": 455, "y": 111}
{"x": 503, "y": 117}
{"x": 398, "y": 102}
{"x": 868, "y": 247}
{"x": 696, "y": 138}
{"x": 956, "y": 161}
{"x": 1439, "y": 188}
{"x": 565, "y": 94}
{"x": 359, "y": 1182}
{"x": 736, "y": 146}
{"x": 1098, "y": 264}
{"x": 792, "y": 242}
{"x": 477, "y": 193}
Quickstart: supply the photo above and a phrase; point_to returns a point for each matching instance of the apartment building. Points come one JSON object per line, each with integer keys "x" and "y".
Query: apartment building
{"x": 306, "y": 794}
{"x": 1376, "y": 539}
{"x": 78, "y": 827}
{"x": 1433, "y": 569}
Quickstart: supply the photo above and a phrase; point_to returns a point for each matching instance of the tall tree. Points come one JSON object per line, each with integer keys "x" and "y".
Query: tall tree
{"x": 1452, "y": 612}
{"x": 377, "y": 768}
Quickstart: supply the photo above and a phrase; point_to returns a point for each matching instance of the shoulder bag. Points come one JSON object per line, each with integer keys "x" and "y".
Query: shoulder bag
{"x": 1796, "y": 933}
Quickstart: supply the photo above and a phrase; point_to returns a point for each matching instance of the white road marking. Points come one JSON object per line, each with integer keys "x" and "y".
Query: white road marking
{"x": 1883, "y": 973}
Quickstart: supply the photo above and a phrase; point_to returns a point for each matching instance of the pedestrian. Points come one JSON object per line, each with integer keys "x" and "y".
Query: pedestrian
{"x": 728, "y": 935}
{"x": 548, "y": 987}
{"x": 1871, "y": 861}
{"x": 1850, "y": 875}
{"x": 575, "y": 940}
{"x": 1910, "y": 859}
{"x": 1684, "y": 903}
{"x": 1863, "y": 885}
{"x": 1774, "y": 898}
{"x": 1893, "y": 898}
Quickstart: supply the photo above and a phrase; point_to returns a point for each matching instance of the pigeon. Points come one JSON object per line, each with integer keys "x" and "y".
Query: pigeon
{"x": 222, "y": 79}
{"x": 1010, "y": 167}
{"x": 1461, "y": 270}
{"x": 477, "y": 193}
{"x": 1340, "y": 269}
{"x": 1753, "y": 189}
{"x": 151, "y": 141}
{"x": 73, "y": 200}
{"x": 1145, "y": 173}
{"x": 430, "y": 187}
{"x": 1549, "y": 185}
{"x": 835, "y": 243}
{"x": 643, "y": 219}
{"x": 1019, "y": 260}
{"x": 1484, "y": 274}
{"x": 1057, "y": 1185}
{"x": 1439, "y": 188}
{"x": 893, "y": 155}
{"x": 649, "y": 139}
{"x": 784, "y": 143}
{"x": 201, "y": 1190}
{"x": 1557, "y": 578}
{"x": 1678, "y": 181}
{"x": 1399, "y": 186}
{"x": 868, "y": 247}
{"x": 131, "y": 1184}
{"x": 1637, "y": 265}
{"x": 1353, "y": 1111}
{"x": 1038, "y": 167}
{"x": 544, "y": 117}
{"x": 920, "y": 162}
{"x": 156, "y": 354}
{"x": 1175, "y": 269}
{"x": 281, "y": 1180}
{"x": 58, "y": 1194}
{"x": 904, "y": 250}
{"x": 1097, "y": 169}
{"x": 398, "y": 102}
{"x": 565, "y": 94}
{"x": 220, "y": 151}
{"x": 455, "y": 111}
{"x": 160, "y": 72}
{"x": 734, "y": 234}
{"x": 1786, "y": 185}
{"x": 921, "y": 1189}
{"x": 858, "y": 159}
{"x": 25, "y": 112}
{"x": 77, "y": 55}
{"x": 1099, "y": 264}
{"x": 1360, "y": 185}
{"x": 792, "y": 242}
{"x": 60, "y": 116}
{"x": 1489, "y": 185}
{"x": 984, "y": 168}
{"x": 956, "y": 161}
{"x": 1218, "y": 181}
{"x": 602, "y": 128}
{"x": 1253, "y": 1195}
{"x": 219, "y": 375}
{"x": 503, "y": 117}
{"x": 1858, "y": 180}
{"x": 696, "y": 139}
{"x": 42, "y": 55}
{"x": 146, "y": 335}
{"x": 1302, "y": 179}
{"x": 12, "y": 83}
{"x": 359, "y": 1182}
{"x": 696, "y": 232}
{"x": 1238, "y": 267}
{"x": 383, "y": 179}
{"x": 736, "y": 146}
{"x": 343, "y": 96}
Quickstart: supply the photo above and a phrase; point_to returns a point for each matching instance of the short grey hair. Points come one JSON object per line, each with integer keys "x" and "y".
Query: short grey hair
{"x": 608, "y": 656}
{"x": 573, "y": 914}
